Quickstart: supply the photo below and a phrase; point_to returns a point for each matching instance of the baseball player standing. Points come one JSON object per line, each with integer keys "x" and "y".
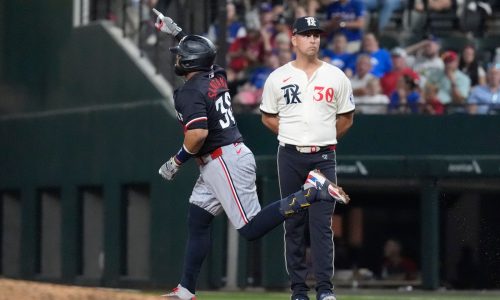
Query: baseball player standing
{"x": 227, "y": 167}
{"x": 308, "y": 104}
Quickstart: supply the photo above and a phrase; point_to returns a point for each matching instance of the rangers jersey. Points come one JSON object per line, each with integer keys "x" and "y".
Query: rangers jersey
{"x": 307, "y": 107}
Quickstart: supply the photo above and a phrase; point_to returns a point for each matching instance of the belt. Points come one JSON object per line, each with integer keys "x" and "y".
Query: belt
{"x": 205, "y": 159}
{"x": 309, "y": 149}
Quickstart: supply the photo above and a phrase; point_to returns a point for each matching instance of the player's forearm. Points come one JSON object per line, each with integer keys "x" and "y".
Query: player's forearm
{"x": 344, "y": 122}
{"x": 415, "y": 47}
{"x": 271, "y": 121}
{"x": 194, "y": 139}
{"x": 456, "y": 95}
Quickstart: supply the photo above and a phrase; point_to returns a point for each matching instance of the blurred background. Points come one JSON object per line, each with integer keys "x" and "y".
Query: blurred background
{"x": 87, "y": 118}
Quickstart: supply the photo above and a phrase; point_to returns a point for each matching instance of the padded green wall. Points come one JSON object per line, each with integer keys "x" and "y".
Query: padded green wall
{"x": 110, "y": 149}
{"x": 58, "y": 66}
{"x": 34, "y": 32}
{"x": 400, "y": 135}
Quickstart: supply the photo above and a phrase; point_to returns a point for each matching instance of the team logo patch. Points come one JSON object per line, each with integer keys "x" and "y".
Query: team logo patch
{"x": 291, "y": 93}
{"x": 310, "y": 21}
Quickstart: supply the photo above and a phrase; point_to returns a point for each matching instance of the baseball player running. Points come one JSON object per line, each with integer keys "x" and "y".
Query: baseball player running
{"x": 308, "y": 104}
{"x": 227, "y": 166}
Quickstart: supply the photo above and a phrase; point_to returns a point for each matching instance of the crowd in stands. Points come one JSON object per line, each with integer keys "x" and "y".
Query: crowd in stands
{"x": 423, "y": 76}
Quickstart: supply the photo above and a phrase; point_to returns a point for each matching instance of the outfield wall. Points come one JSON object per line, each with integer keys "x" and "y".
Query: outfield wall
{"x": 86, "y": 183}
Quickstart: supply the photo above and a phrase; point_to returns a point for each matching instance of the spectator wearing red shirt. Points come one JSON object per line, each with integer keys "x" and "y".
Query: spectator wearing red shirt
{"x": 395, "y": 265}
{"x": 389, "y": 81}
{"x": 247, "y": 52}
{"x": 431, "y": 104}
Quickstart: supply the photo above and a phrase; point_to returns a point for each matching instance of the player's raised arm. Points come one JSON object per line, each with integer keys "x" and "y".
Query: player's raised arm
{"x": 167, "y": 25}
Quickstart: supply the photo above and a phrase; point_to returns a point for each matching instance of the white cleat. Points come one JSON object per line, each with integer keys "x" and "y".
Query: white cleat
{"x": 181, "y": 293}
{"x": 327, "y": 190}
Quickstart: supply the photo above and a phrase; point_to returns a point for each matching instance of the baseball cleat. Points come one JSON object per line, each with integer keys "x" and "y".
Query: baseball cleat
{"x": 296, "y": 202}
{"x": 181, "y": 293}
{"x": 326, "y": 190}
{"x": 327, "y": 296}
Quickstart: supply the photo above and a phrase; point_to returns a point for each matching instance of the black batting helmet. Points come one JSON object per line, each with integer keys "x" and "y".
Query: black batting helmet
{"x": 196, "y": 53}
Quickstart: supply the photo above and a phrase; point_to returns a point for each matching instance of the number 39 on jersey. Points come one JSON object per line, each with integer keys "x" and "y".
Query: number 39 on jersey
{"x": 223, "y": 106}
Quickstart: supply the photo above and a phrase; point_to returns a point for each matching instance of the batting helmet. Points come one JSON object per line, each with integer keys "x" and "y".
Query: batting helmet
{"x": 196, "y": 53}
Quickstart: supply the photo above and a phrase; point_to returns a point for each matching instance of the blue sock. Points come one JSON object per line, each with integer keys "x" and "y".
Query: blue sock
{"x": 275, "y": 213}
{"x": 266, "y": 220}
{"x": 198, "y": 245}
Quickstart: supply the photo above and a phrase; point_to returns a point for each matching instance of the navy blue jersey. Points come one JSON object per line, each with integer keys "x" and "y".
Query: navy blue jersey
{"x": 204, "y": 102}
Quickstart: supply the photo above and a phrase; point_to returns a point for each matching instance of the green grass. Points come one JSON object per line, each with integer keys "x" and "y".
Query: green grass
{"x": 362, "y": 295}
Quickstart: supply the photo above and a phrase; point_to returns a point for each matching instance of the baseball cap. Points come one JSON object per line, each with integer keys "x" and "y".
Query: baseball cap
{"x": 449, "y": 56}
{"x": 306, "y": 24}
{"x": 398, "y": 51}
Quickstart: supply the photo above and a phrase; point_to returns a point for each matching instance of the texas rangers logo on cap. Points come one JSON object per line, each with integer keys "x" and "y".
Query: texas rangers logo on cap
{"x": 306, "y": 24}
{"x": 311, "y": 21}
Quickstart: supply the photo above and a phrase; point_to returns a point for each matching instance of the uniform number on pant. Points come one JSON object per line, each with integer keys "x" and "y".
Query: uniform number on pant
{"x": 321, "y": 93}
{"x": 223, "y": 105}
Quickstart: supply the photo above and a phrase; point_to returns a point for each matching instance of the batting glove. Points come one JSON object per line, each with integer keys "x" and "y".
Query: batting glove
{"x": 167, "y": 25}
{"x": 169, "y": 169}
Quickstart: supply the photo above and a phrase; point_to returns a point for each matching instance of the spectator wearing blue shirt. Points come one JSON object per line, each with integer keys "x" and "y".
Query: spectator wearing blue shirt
{"x": 249, "y": 95}
{"x": 406, "y": 97}
{"x": 485, "y": 99}
{"x": 336, "y": 54}
{"x": 347, "y": 17}
{"x": 380, "y": 58}
{"x": 235, "y": 29}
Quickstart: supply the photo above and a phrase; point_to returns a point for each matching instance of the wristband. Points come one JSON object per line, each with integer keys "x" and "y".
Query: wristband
{"x": 183, "y": 155}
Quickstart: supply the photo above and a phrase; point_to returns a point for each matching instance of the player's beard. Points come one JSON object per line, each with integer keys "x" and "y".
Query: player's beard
{"x": 179, "y": 71}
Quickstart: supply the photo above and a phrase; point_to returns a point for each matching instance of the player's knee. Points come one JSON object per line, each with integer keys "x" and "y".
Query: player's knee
{"x": 248, "y": 232}
{"x": 198, "y": 218}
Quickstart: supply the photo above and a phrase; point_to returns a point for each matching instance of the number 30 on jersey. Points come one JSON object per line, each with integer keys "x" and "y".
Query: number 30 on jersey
{"x": 321, "y": 93}
{"x": 223, "y": 106}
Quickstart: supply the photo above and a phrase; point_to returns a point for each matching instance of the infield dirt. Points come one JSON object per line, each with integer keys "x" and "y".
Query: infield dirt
{"x": 28, "y": 290}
